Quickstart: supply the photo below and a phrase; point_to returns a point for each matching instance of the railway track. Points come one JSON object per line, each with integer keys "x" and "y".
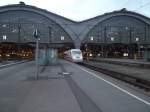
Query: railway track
{"x": 131, "y": 64}
{"x": 11, "y": 64}
{"x": 141, "y": 83}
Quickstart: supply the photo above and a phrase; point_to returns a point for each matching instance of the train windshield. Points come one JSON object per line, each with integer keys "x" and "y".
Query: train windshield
{"x": 76, "y": 52}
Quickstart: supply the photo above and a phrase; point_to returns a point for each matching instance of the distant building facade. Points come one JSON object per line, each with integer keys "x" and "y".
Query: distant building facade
{"x": 18, "y": 21}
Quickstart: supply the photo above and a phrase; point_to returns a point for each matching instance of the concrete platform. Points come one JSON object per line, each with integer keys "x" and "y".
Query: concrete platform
{"x": 50, "y": 96}
{"x": 79, "y": 91}
{"x": 20, "y": 94}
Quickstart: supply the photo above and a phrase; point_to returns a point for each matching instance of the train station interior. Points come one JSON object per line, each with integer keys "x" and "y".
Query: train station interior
{"x": 118, "y": 34}
{"x": 49, "y": 63}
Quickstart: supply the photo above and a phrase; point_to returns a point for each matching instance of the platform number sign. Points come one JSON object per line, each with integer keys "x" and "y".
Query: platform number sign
{"x": 35, "y": 33}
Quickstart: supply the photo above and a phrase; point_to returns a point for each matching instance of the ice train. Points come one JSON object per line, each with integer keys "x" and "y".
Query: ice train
{"x": 74, "y": 55}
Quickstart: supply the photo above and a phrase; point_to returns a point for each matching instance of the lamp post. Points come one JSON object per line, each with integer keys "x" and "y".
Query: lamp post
{"x": 86, "y": 49}
{"x": 19, "y": 33}
{"x": 50, "y": 34}
{"x": 35, "y": 34}
{"x": 105, "y": 42}
{"x": 137, "y": 39}
{"x": 130, "y": 32}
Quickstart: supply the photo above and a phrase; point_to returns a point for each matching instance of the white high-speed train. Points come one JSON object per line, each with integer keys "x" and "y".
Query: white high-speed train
{"x": 74, "y": 55}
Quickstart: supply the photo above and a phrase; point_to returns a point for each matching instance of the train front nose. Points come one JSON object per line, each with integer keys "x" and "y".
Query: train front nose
{"x": 78, "y": 58}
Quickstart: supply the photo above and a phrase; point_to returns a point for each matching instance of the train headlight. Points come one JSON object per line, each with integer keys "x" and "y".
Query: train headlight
{"x": 74, "y": 57}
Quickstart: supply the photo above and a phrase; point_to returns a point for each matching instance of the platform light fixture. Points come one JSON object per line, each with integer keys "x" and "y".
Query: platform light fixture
{"x": 141, "y": 46}
{"x": 125, "y": 54}
{"x": 112, "y": 38}
{"x": 136, "y": 39}
{"x": 4, "y": 37}
{"x": 62, "y": 38}
{"x": 4, "y": 25}
{"x": 126, "y": 28}
{"x": 98, "y": 54}
{"x": 91, "y": 38}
